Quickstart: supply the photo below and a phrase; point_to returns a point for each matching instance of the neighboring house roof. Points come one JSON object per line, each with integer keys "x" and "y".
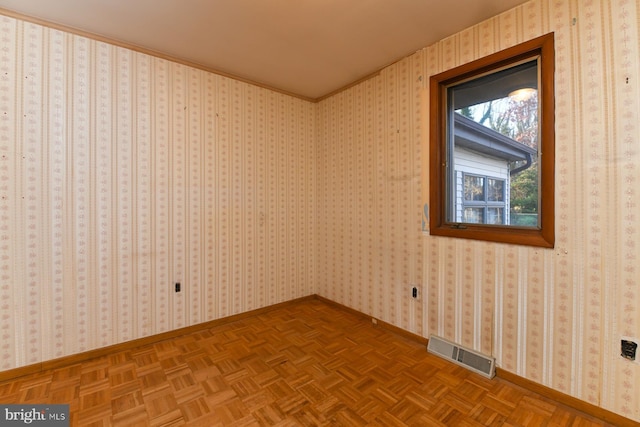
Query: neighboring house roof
{"x": 474, "y": 136}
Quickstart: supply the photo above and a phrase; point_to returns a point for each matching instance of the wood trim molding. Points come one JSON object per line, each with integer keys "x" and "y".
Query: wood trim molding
{"x": 567, "y": 400}
{"x": 440, "y": 148}
{"x": 178, "y": 60}
{"x": 350, "y": 85}
{"x": 570, "y": 401}
{"x": 377, "y": 322}
{"x": 128, "y": 345}
{"x": 527, "y": 384}
{"x": 146, "y": 51}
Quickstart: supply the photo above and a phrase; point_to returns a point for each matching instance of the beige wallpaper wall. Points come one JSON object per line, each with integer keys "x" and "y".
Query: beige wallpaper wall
{"x": 121, "y": 174}
{"x": 553, "y": 316}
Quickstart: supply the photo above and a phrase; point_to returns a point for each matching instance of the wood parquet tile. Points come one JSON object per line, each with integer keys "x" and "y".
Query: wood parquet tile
{"x": 306, "y": 364}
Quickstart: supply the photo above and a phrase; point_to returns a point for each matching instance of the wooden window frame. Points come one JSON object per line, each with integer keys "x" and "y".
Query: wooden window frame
{"x": 542, "y": 236}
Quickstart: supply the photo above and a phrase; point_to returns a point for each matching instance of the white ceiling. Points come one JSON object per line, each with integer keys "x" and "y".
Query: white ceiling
{"x": 305, "y": 47}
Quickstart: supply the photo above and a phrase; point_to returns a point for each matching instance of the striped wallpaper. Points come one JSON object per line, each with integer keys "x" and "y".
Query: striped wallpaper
{"x": 122, "y": 174}
{"x": 555, "y": 316}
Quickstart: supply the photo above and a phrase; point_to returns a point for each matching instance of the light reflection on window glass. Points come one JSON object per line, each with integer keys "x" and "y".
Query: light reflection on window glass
{"x": 495, "y": 188}
{"x": 473, "y": 188}
{"x": 474, "y": 215}
{"x": 495, "y": 216}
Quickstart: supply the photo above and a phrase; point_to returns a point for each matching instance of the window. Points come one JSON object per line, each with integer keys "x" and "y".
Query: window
{"x": 483, "y": 201}
{"x": 492, "y": 147}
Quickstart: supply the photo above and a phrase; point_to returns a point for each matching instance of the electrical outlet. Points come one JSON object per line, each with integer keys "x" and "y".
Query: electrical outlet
{"x": 628, "y": 349}
{"x": 178, "y": 287}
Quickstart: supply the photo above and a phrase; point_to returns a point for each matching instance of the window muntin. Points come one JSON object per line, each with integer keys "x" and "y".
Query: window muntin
{"x": 518, "y": 142}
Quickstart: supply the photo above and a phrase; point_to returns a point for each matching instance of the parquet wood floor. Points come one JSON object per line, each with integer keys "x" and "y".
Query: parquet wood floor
{"x": 308, "y": 364}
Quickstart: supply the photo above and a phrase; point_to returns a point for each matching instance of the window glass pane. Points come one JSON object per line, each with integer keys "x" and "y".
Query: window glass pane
{"x": 494, "y": 132}
{"x": 524, "y": 197}
{"x": 492, "y": 147}
{"x": 524, "y": 219}
{"x": 495, "y": 190}
{"x": 474, "y": 215}
{"x": 495, "y": 216}
{"x": 513, "y": 117}
{"x": 505, "y": 101}
{"x": 473, "y": 188}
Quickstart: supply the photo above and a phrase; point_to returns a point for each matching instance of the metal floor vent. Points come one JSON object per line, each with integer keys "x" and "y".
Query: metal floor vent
{"x": 479, "y": 363}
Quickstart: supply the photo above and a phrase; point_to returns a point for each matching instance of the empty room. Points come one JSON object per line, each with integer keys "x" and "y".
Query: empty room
{"x": 320, "y": 212}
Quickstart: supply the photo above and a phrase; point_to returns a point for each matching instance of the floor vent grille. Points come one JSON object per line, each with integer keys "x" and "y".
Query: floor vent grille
{"x": 477, "y": 362}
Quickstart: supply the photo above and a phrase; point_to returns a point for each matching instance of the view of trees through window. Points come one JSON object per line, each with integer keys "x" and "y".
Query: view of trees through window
{"x": 492, "y": 147}
{"x": 515, "y": 117}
